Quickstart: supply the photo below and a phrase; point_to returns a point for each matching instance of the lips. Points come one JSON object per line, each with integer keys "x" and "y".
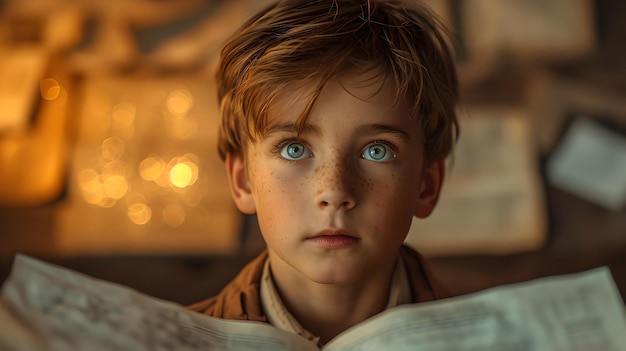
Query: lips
{"x": 334, "y": 239}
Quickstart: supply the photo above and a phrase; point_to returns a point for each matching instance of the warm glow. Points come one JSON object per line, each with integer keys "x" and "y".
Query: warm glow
{"x": 191, "y": 157}
{"x": 192, "y": 198}
{"x": 181, "y": 175}
{"x": 115, "y": 187}
{"x": 91, "y": 186}
{"x": 117, "y": 168}
{"x": 134, "y": 198}
{"x": 112, "y": 148}
{"x": 174, "y": 215}
{"x": 86, "y": 175}
{"x": 179, "y": 102}
{"x": 123, "y": 119}
{"x": 177, "y": 123}
{"x": 184, "y": 171}
{"x": 49, "y": 88}
{"x": 139, "y": 213}
{"x": 104, "y": 188}
{"x": 183, "y": 128}
{"x": 151, "y": 168}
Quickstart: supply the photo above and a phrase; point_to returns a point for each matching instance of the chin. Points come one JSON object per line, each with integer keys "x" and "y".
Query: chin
{"x": 333, "y": 275}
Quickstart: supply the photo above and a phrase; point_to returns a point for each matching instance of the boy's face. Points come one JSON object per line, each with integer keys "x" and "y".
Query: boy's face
{"x": 335, "y": 203}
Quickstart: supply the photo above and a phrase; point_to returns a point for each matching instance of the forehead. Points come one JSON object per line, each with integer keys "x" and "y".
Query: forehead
{"x": 353, "y": 90}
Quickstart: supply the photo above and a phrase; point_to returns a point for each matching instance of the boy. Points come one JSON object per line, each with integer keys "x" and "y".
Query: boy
{"x": 336, "y": 120}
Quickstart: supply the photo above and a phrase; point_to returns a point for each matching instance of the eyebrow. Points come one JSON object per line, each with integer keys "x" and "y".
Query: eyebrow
{"x": 292, "y": 128}
{"x": 370, "y": 129}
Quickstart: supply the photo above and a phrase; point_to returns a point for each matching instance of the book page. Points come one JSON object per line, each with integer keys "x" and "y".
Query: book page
{"x": 43, "y": 307}
{"x": 583, "y": 311}
{"x": 590, "y": 162}
{"x": 492, "y": 200}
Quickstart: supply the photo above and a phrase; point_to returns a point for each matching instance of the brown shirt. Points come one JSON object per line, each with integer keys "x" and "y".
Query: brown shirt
{"x": 241, "y": 298}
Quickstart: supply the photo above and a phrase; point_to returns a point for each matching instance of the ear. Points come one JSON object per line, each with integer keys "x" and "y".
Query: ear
{"x": 430, "y": 188}
{"x": 239, "y": 185}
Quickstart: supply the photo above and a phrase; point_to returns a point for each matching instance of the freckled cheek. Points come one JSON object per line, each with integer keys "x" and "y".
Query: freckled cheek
{"x": 279, "y": 200}
{"x": 386, "y": 189}
{"x": 367, "y": 183}
{"x": 376, "y": 181}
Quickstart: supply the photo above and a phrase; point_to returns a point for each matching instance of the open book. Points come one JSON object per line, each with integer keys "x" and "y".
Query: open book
{"x": 43, "y": 307}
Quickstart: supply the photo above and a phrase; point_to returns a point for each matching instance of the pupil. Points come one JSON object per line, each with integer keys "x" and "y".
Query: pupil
{"x": 377, "y": 152}
{"x": 294, "y": 150}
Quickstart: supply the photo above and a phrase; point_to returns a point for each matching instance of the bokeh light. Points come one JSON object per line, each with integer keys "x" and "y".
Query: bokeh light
{"x": 112, "y": 149}
{"x": 139, "y": 213}
{"x": 184, "y": 171}
{"x": 49, "y": 88}
{"x": 181, "y": 175}
{"x": 151, "y": 168}
{"x": 123, "y": 119}
{"x": 179, "y": 102}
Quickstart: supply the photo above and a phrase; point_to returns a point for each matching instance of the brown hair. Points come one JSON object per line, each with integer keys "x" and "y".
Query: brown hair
{"x": 310, "y": 41}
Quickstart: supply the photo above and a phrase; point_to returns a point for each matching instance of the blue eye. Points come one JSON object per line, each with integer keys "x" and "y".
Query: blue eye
{"x": 294, "y": 151}
{"x": 378, "y": 152}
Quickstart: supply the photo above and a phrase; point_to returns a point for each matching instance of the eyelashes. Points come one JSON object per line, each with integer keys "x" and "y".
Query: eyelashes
{"x": 379, "y": 151}
{"x": 294, "y": 151}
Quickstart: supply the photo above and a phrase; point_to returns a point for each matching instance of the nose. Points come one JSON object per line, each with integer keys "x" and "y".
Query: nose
{"x": 336, "y": 185}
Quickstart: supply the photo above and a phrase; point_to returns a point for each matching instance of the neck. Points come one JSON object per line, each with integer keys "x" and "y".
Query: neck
{"x": 329, "y": 309}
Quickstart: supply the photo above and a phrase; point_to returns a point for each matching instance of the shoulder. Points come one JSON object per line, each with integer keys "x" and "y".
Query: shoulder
{"x": 425, "y": 286}
{"x": 240, "y": 299}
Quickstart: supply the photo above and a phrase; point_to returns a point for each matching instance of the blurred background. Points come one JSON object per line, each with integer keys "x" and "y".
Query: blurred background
{"x": 108, "y": 161}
